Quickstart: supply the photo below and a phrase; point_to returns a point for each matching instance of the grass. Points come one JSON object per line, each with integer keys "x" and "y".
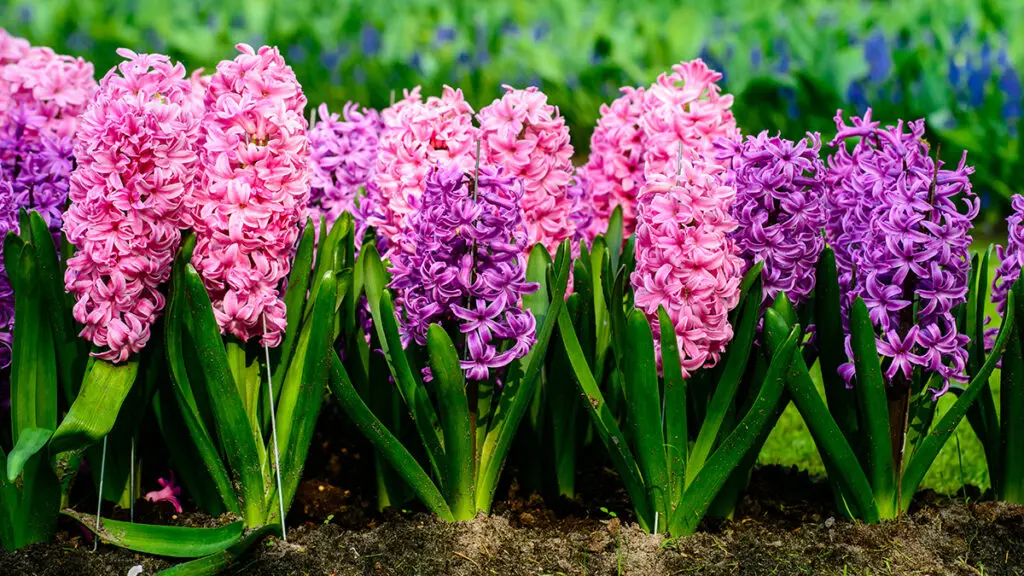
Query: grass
{"x": 790, "y": 443}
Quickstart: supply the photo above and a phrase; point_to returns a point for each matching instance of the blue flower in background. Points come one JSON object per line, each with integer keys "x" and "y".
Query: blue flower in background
{"x": 416, "y": 63}
{"x": 444, "y": 35}
{"x": 857, "y": 96}
{"x": 541, "y": 30}
{"x": 756, "y": 57}
{"x": 509, "y": 28}
{"x": 878, "y": 56}
{"x": 480, "y": 35}
{"x": 1009, "y": 83}
{"x": 783, "y": 56}
{"x": 237, "y": 21}
{"x": 370, "y": 39}
{"x": 153, "y": 40}
{"x": 25, "y": 15}
{"x": 297, "y": 53}
{"x": 330, "y": 59}
{"x": 79, "y": 42}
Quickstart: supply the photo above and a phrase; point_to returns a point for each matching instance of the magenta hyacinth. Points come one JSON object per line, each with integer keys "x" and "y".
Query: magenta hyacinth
{"x": 252, "y": 200}
{"x": 684, "y": 107}
{"x": 1011, "y": 257}
{"x": 466, "y": 266}
{"x": 418, "y": 136}
{"x": 615, "y": 166}
{"x": 57, "y": 87}
{"x": 779, "y": 208}
{"x": 900, "y": 228}
{"x": 344, "y": 160}
{"x": 136, "y": 151}
{"x": 686, "y": 260}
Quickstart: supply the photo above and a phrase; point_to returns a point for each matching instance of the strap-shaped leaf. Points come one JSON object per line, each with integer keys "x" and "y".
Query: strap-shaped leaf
{"x": 676, "y": 434}
{"x": 1012, "y": 408}
{"x": 643, "y": 400}
{"x": 173, "y": 541}
{"x": 517, "y": 393}
{"x": 828, "y": 327}
{"x": 95, "y": 410}
{"x": 606, "y": 425}
{"x": 295, "y": 299}
{"x": 385, "y": 442}
{"x": 832, "y": 444}
{"x": 455, "y": 418}
{"x": 233, "y": 428}
{"x": 702, "y": 491}
{"x": 613, "y": 237}
{"x": 216, "y": 563}
{"x": 29, "y": 443}
{"x": 930, "y": 446}
{"x": 724, "y": 396}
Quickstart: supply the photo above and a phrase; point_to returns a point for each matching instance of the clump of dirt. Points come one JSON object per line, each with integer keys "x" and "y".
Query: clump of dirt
{"x": 785, "y": 525}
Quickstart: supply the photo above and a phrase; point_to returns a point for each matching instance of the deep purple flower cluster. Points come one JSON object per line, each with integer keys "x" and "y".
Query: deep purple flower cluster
{"x": 36, "y": 165}
{"x": 8, "y": 223}
{"x": 901, "y": 243}
{"x": 1011, "y": 257}
{"x": 780, "y": 208}
{"x": 466, "y": 266}
{"x": 581, "y": 194}
{"x": 344, "y": 160}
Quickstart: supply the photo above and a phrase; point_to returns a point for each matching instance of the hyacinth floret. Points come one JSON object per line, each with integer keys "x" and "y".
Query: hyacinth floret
{"x": 344, "y": 160}
{"x": 779, "y": 208}
{"x": 529, "y": 138}
{"x": 252, "y": 201}
{"x": 684, "y": 107}
{"x": 1011, "y": 257}
{"x": 686, "y": 260}
{"x": 136, "y": 153}
{"x": 37, "y": 165}
{"x": 8, "y": 223}
{"x": 417, "y": 136}
{"x": 615, "y": 166}
{"x": 900, "y": 227}
{"x": 466, "y": 267}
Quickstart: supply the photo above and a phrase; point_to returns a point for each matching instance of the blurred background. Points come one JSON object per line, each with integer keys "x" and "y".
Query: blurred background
{"x": 791, "y": 64}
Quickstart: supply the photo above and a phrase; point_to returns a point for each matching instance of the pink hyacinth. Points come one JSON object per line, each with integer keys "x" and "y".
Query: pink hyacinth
{"x": 615, "y": 167}
{"x": 685, "y": 107}
{"x": 168, "y": 492}
{"x": 136, "y": 151}
{"x": 58, "y": 87}
{"x": 418, "y": 136}
{"x": 527, "y": 137}
{"x": 251, "y": 203}
{"x": 197, "y": 100}
{"x": 686, "y": 261}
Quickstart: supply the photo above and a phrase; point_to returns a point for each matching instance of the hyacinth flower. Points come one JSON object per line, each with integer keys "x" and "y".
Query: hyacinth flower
{"x": 473, "y": 322}
{"x": 615, "y": 165}
{"x": 675, "y": 346}
{"x": 529, "y": 138}
{"x": 892, "y": 291}
{"x": 344, "y": 160}
{"x": 227, "y": 307}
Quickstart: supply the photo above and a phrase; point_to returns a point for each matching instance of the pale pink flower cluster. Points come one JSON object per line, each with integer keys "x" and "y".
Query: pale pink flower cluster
{"x": 615, "y": 167}
{"x": 56, "y": 86}
{"x": 418, "y": 136}
{"x": 251, "y": 202}
{"x": 136, "y": 152}
{"x": 686, "y": 261}
{"x": 527, "y": 137}
{"x": 684, "y": 106}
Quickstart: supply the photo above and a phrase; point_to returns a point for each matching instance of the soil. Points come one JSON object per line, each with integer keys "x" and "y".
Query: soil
{"x": 785, "y": 524}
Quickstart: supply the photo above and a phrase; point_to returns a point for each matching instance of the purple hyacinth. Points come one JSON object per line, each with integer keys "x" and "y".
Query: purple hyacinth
{"x": 8, "y": 223}
{"x": 581, "y": 194}
{"x": 344, "y": 159}
{"x": 780, "y": 208}
{"x": 466, "y": 267}
{"x": 901, "y": 243}
{"x": 37, "y": 167}
{"x": 1011, "y": 257}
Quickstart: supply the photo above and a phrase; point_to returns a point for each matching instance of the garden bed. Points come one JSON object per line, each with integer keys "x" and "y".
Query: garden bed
{"x": 786, "y": 525}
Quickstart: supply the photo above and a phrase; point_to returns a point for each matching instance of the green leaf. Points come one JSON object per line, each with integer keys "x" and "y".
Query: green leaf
{"x": 871, "y": 400}
{"x": 302, "y": 392}
{"x": 831, "y": 443}
{"x": 95, "y": 410}
{"x": 295, "y": 298}
{"x": 33, "y": 361}
{"x": 1012, "y": 407}
{"x": 606, "y": 425}
{"x": 644, "y": 403}
{"x": 828, "y": 329}
{"x": 930, "y": 446}
{"x": 455, "y": 420}
{"x": 219, "y": 561}
{"x": 613, "y": 237}
{"x": 700, "y": 494}
{"x": 173, "y": 541}
{"x": 517, "y": 393}
{"x": 735, "y": 364}
{"x": 385, "y": 442}
{"x": 676, "y": 434}
{"x": 233, "y": 428}
{"x": 31, "y": 441}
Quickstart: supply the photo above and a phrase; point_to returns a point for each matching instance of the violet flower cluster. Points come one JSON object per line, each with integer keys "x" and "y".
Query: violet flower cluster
{"x": 343, "y": 158}
{"x": 466, "y": 267}
{"x": 8, "y": 223}
{"x": 136, "y": 153}
{"x": 36, "y": 164}
{"x": 581, "y": 194}
{"x": 780, "y": 208}
{"x": 901, "y": 243}
{"x": 252, "y": 200}
{"x": 1011, "y": 257}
